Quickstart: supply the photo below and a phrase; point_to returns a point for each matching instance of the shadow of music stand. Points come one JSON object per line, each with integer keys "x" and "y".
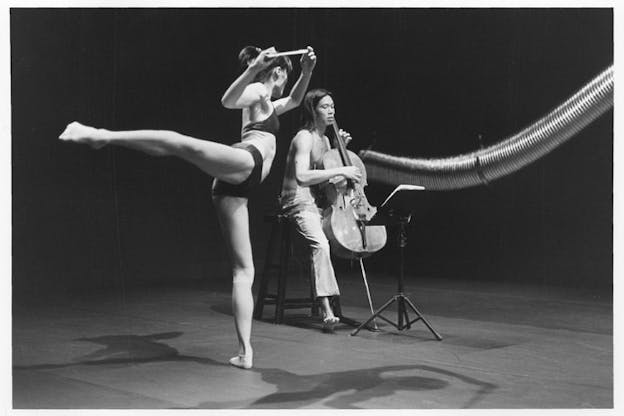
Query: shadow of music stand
{"x": 397, "y": 210}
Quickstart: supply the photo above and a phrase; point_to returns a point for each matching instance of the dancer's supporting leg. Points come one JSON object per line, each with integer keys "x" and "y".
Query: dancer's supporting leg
{"x": 234, "y": 221}
{"x": 223, "y": 162}
{"x": 227, "y": 163}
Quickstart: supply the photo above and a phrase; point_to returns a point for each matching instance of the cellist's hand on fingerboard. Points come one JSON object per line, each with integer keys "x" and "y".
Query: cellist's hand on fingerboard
{"x": 346, "y": 137}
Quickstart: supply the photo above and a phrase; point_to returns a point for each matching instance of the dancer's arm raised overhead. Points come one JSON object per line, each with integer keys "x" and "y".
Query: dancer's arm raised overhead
{"x": 293, "y": 100}
{"x": 244, "y": 91}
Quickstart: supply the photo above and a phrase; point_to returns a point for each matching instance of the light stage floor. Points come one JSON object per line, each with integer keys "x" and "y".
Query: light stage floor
{"x": 504, "y": 346}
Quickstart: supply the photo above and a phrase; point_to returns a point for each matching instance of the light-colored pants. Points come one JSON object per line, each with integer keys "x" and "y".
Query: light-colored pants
{"x": 307, "y": 220}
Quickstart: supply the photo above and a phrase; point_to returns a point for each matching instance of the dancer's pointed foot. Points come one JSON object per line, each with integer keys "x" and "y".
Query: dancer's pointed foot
{"x": 243, "y": 361}
{"x": 79, "y": 133}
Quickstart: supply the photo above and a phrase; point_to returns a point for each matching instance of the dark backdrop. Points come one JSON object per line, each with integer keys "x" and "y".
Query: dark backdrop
{"x": 420, "y": 82}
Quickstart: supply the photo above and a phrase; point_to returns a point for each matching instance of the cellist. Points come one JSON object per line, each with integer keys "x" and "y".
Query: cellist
{"x": 303, "y": 170}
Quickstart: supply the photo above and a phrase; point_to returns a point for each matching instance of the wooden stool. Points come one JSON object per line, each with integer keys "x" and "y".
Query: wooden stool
{"x": 280, "y": 246}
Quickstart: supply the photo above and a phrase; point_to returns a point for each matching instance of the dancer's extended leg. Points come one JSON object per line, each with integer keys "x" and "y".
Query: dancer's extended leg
{"x": 234, "y": 221}
{"x": 218, "y": 160}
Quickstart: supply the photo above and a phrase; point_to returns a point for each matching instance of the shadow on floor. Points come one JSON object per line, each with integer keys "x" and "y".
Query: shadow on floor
{"x": 292, "y": 390}
{"x": 127, "y": 349}
{"x": 346, "y": 388}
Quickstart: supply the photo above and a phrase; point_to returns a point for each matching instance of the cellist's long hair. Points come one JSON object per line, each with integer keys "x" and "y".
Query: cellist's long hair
{"x": 310, "y": 101}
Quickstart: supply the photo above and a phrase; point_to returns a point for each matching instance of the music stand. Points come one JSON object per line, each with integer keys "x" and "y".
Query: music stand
{"x": 397, "y": 210}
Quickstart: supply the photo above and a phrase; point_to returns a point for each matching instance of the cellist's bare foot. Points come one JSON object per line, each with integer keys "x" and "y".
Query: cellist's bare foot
{"x": 79, "y": 133}
{"x": 329, "y": 322}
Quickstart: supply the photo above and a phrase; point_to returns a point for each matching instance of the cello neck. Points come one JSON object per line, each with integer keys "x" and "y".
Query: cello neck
{"x": 342, "y": 150}
{"x": 340, "y": 145}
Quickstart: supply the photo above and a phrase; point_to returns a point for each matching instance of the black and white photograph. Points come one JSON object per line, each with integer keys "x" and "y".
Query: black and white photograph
{"x": 304, "y": 206}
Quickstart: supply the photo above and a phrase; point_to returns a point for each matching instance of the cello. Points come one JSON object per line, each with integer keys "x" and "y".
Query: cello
{"x": 344, "y": 221}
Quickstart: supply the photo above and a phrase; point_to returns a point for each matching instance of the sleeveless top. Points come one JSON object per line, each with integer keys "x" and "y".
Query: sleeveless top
{"x": 270, "y": 125}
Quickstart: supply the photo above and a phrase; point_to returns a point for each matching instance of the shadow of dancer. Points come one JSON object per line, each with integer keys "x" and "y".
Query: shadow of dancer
{"x": 128, "y": 349}
{"x": 346, "y": 388}
{"x": 353, "y": 386}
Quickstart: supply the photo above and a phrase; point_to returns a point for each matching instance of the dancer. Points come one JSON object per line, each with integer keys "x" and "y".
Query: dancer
{"x": 237, "y": 169}
{"x": 303, "y": 170}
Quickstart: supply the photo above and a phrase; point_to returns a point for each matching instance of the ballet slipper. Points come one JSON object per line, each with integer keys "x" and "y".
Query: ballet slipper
{"x": 242, "y": 361}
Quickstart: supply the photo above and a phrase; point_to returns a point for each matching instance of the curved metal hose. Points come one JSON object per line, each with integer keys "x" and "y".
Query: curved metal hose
{"x": 503, "y": 158}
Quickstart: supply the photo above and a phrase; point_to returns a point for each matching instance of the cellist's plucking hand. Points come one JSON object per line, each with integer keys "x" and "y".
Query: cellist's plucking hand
{"x": 352, "y": 172}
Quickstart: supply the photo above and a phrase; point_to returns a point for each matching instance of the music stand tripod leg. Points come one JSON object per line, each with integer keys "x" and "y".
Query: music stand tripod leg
{"x": 422, "y": 318}
{"x": 373, "y": 316}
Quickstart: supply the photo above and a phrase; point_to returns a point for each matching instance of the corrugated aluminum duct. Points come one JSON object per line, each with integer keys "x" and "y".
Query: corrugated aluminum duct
{"x": 503, "y": 158}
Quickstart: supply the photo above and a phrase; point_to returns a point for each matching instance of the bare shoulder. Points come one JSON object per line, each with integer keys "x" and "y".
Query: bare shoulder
{"x": 302, "y": 140}
{"x": 257, "y": 88}
{"x": 304, "y": 133}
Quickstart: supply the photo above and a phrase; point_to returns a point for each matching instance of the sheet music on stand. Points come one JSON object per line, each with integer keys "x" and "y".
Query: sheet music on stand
{"x": 401, "y": 201}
